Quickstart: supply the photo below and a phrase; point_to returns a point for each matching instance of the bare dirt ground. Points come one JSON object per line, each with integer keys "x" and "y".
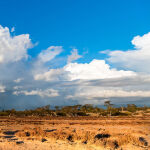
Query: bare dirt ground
{"x": 77, "y": 133}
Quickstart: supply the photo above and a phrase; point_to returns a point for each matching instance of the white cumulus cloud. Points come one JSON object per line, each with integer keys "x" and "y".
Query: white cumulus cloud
{"x": 13, "y": 48}
{"x": 96, "y": 69}
{"x": 137, "y": 59}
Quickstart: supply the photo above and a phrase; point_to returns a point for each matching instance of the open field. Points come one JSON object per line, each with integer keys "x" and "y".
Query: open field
{"x": 76, "y": 133}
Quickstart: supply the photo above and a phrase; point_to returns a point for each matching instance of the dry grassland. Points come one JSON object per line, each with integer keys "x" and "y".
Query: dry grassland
{"x": 77, "y": 133}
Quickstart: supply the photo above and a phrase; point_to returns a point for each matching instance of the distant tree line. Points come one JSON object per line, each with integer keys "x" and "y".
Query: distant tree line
{"x": 79, "y": 110}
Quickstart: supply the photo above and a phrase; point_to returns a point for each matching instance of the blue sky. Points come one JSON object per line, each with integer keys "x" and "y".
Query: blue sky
{"x": 87, "y": 25}
{"x": 87, "y": 41}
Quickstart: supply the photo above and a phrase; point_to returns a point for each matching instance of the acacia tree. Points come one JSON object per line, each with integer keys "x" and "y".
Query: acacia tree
{"x": 109, "y": 106}
{"x": 56, "y": 108}
{"x": 131, "y": 107}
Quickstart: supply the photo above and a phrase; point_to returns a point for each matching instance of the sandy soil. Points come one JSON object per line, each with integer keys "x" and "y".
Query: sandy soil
{"x": 78, "y": 133}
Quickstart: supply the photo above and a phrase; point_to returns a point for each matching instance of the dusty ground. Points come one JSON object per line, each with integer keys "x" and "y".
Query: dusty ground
{"x": 78, "y": 133}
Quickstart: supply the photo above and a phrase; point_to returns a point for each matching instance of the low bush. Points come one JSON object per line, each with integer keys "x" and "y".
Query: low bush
{"x": 61, "y": 114}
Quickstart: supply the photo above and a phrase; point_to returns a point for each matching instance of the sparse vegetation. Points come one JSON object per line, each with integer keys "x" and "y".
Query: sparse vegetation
{"x": 80, "y": 110}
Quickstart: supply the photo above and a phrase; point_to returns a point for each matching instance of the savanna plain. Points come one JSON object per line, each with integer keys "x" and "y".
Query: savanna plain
{"x": 75, "y": 133}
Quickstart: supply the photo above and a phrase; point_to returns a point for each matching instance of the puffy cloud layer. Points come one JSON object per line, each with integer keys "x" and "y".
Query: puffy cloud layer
{"x": 41, "y": 93}
{"x": 52, "y": 75}
{"x": 46, "y": 82}
{"x": 13, "y": 48}
{"x": 96, "y": 69}
{"x": 137, "y": 59}
{"x": 96, "y": 92}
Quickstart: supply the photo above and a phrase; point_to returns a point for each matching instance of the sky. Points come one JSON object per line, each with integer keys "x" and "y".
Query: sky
{"x": 67, "y": 52}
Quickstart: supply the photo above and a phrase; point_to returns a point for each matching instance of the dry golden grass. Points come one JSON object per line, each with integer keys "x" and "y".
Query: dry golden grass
{"x": 88, "y": 133}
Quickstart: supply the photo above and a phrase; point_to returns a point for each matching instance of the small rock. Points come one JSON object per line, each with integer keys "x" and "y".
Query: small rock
{"x": 116, "y": 145}
{"x": 142, "y": 140}
{"x": 112, "y": 144}
{"x": 43, "y": 140}
{"x": 70, "y": 138}
{"x": 19, "y": 142}
{"x": 85, "y": 142}
{"x": 101, "y": 136}
{"x": 27, "y": 133}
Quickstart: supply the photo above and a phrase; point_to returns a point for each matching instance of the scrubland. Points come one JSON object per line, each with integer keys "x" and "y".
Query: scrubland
{"x": 75, "y": 133}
